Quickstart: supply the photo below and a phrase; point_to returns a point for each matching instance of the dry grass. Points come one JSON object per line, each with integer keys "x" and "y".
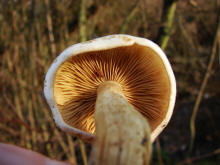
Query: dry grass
{"x": 33, "y": 32}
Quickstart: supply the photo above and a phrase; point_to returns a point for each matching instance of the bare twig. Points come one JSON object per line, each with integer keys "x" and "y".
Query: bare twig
{"x": 169, "y": 8}
{"x": 82, "y": 21}
{"x": 50, "y": 29}
{"x": 8, "y": 101}
{"x": 203, "y": 86}
{"x": 83, "y": 151}
{"x": 190, "y": 160}
{"x": 159, "y": 156}
{"x": 9, "y": 130}
{"x": 129, "y": 17}
{"x": 71, "y": 149}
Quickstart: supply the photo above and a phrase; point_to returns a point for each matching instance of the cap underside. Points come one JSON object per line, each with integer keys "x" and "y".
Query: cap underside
{"x": 138, "y": 69}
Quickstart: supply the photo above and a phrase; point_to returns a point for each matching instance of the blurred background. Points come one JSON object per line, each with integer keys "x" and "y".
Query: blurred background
{"x": 34, "y": 32}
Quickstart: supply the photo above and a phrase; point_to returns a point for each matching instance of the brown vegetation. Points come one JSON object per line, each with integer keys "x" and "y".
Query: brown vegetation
{"x": 33, "y": 33}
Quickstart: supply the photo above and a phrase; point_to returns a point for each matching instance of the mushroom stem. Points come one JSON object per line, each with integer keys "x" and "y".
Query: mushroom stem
{"x": 122, "y": 133}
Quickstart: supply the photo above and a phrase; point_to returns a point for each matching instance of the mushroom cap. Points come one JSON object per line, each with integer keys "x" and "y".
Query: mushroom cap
{"x": 137, "y": 64}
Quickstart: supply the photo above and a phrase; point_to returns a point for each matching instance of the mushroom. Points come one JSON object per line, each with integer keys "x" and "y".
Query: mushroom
{"x": 119, "y": 87}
